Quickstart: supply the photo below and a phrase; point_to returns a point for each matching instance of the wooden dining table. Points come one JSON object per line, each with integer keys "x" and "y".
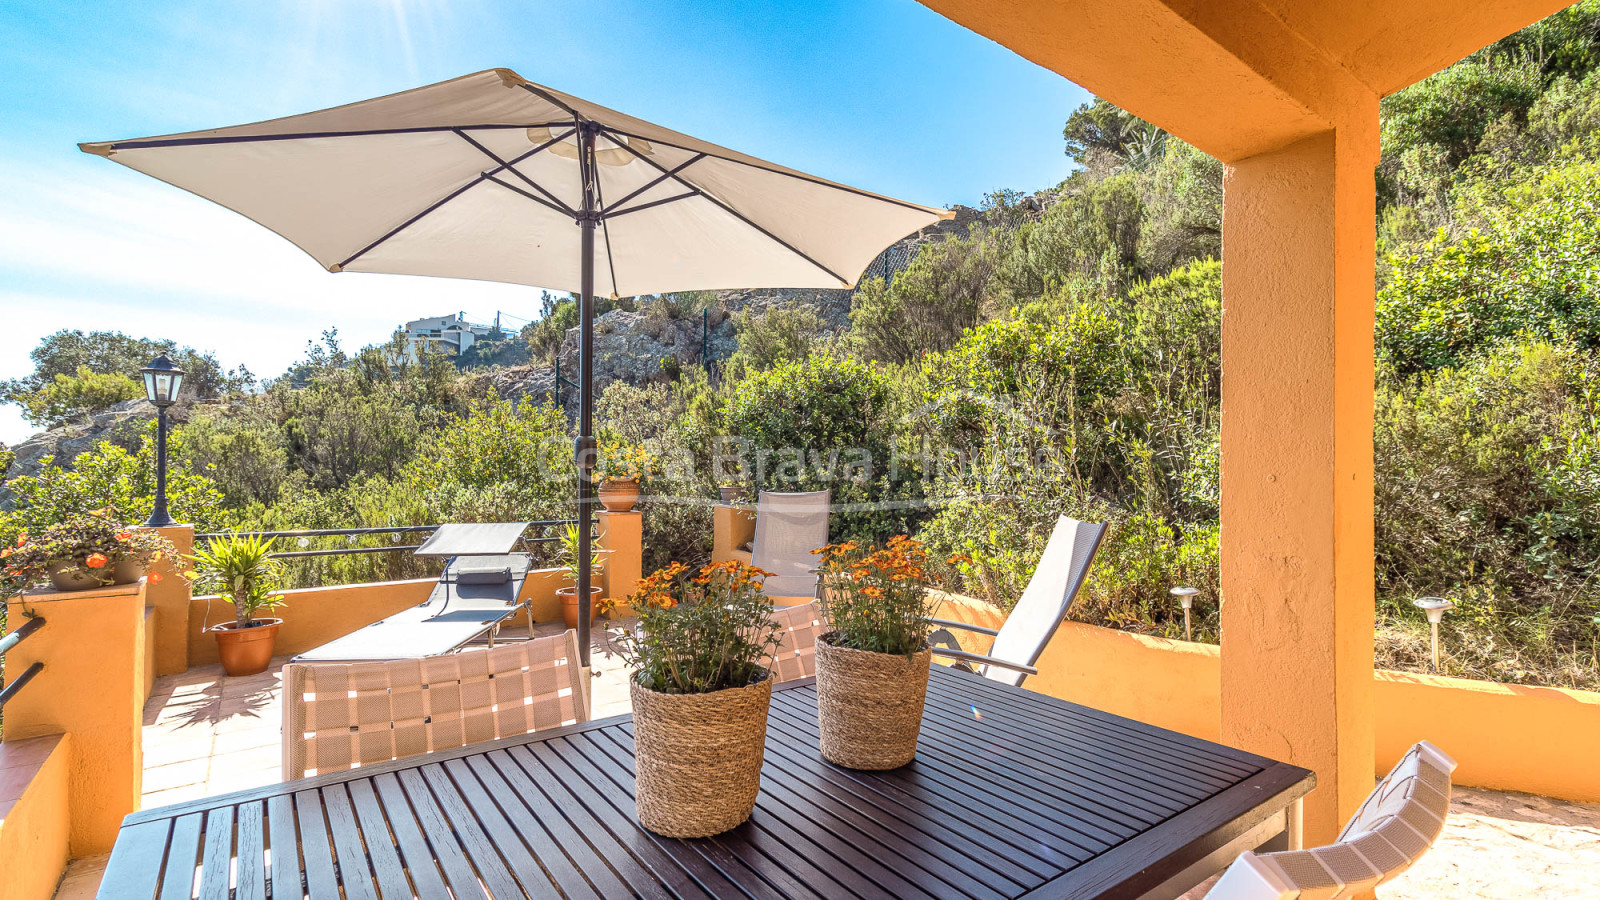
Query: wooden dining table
{"x": 1012, "y": 794}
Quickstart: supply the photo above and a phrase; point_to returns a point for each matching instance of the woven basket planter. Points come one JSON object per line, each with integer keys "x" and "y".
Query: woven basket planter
{"x": 697, "y": 757}
{"x": 869, "y": 705}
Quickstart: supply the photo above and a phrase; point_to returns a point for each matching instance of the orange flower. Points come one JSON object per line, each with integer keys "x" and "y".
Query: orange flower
{"x": 6, "y": 553}
{"x": 155, "y": 577}
{"x": 22, "y": 538}
{"x": 95, "y": 560}
{"x": 124, "y": 536}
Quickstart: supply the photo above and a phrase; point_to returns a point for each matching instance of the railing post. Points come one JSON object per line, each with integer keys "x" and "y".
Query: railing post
{"x": 91, "y": 687}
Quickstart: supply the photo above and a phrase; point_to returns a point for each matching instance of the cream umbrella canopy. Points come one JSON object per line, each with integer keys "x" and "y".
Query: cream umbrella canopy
{"x": 495, "y": 178}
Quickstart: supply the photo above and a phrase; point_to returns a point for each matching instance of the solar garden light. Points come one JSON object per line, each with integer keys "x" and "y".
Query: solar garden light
{"x": 1435, "y": 607}
{"x": 1185, "y": 596}
{"x": 162, "y": 380}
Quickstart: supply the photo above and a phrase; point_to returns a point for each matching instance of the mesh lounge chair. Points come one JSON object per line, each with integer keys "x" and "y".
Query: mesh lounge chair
{"x": 788, "y": 528}
{"x": 340, "y": 715}
{"x": 1398, "y": 823}
{"x": 1034, "y": 620}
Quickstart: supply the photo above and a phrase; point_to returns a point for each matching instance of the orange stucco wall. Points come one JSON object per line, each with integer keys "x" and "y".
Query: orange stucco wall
{"x": 170, "y": 597}
{"x": 1508, "y": 737}
{"x": 34, "y": 824}
{"x": 92, "y": 688}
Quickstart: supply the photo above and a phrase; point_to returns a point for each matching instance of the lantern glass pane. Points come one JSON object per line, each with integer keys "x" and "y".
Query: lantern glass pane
{"x": 150, "y": 386}
{"x": 177, "y": 382}
{"x": 163, "y": 386}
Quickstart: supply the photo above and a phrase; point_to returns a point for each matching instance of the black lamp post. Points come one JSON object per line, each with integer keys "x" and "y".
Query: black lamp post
{"x": 161, "y": 382}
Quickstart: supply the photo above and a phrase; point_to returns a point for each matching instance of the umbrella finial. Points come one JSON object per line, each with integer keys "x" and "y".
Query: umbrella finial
{"x": 510, "y": 78}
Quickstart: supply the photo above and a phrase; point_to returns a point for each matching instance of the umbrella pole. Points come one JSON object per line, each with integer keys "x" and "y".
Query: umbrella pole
{"x": 585, "y": 445}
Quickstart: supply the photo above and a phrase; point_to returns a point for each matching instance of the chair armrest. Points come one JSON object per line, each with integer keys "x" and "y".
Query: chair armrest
{"x": 947, "y": 623}
{"x": 964, "y": 656}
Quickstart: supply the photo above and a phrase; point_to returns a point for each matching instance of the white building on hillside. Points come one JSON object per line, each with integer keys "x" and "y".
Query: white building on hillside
{"x": 446, "y": 334}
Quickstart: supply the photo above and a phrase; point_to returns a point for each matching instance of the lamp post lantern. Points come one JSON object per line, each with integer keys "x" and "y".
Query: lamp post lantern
{"x": 1435, "y": 607}
{"x": 162, "y": 379}
{"x": 1185, "y": 596}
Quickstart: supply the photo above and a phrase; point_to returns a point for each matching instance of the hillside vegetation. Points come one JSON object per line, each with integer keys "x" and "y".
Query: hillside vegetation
{"x": 1061, "y": 355}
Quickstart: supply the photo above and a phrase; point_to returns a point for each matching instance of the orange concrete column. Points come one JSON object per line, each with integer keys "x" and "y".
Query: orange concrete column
{"x": 92, "y": 688}
{"x": 622, "y": 537}
{"x": 732, "y": 526}
{"x": 171, "y": 598}
{"x": 1297, "y": 395}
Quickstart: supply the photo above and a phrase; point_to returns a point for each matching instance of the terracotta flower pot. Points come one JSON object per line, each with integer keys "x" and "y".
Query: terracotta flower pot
{"x": 869, "y": 705}
{"x": 619, "y": 495}
{"x": 697, "y": 757}
{"x": 247, "y": 650}
{"x": 569, "y": 603}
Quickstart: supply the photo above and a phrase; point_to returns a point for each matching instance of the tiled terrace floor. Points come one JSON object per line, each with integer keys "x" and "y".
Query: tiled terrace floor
{"x": 205, "y": 734}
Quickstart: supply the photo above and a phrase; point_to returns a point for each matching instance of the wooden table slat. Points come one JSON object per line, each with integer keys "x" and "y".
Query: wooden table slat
{"x": 134, "y": 870}
{"x": 441, "y": 837}
{"x": 1030, "y": 828}
{"x": 559, "y": 848}
{"x": 183, "y": 856}
{"x": 250, "y": 852}
{"x": 414, "y": 850}
{"x": 1011, "y": 795}
{"x": 355, "y": 872}
{"x": 384, "y": 856}
{"x": 1202, "y": 775}
{"x": 216, "y": 865}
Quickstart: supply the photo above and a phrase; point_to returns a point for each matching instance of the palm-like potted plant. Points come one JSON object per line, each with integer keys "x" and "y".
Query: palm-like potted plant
{"x": 622, "y": 466}
{"x": 570, "y": 558}
{"x": 84, "y": 552}
{"x": 241, "y": 569}
{"x": 872, "y": 668}
{"x": 700, "y": 696}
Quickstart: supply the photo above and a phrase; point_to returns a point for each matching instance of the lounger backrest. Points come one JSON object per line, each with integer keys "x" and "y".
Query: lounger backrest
{"x": 1398, "y": 823}
{"x": 796, "y": 654}
{"x": 1050, "y": 592}
{"x": 342, "y": 715}
{"x": 788, "y": 528}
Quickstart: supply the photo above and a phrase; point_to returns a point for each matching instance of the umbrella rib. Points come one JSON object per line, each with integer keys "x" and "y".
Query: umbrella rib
{"x": 452, "y": 195}
{"x": 654, "y": 203}
{"x": 302, "y": 136}
{"x": 734, "y": 212}
{"x": 600, "y": 207}
{"x": 531, "y": 196}
{"x": 795, "y": 175}
{"x": 660, "y": 178}
{"x": 513, "y": 170}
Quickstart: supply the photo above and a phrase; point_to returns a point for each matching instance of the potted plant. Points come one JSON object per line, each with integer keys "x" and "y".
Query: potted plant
{"x": 872, "y": 667}
{"x": 84, "y": 552}
{"x": 569, "y": 594}
{"x": 241, "y": 568}
{"x": 621, "y": 467}
{"x": 731, "y": 490}
{"x": 700, "y": 696}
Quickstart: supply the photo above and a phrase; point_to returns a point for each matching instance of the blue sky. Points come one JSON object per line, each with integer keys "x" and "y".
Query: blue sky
{"x": 882, "y": 94}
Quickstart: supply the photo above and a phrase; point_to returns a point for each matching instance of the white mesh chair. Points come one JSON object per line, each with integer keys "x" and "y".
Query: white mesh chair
{"x": 796, "y": 654}
{"x": 1398, "y": 823}
{"x": 1037, "y": 615}
{"x": 788, "y": 528}
{"x": 340, "y": 715}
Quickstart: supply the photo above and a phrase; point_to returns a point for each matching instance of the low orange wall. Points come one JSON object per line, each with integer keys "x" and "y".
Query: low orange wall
{"x": 1507, "y": 737}
{"x": 314, "y": 616}
{"x": 34, "y": 823}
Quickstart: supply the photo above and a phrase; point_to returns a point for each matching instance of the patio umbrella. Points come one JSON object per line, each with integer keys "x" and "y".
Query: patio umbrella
{"x": 495, "y": 178}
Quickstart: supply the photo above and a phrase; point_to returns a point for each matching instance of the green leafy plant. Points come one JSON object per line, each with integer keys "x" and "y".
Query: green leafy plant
{"x": 876, "y": 598}
{"x": 241, "y": 568}
{"x": 570, "y": 556}
{"x": 89, "y": 545}
{"x": 701, "y": 633}
{"x": 622, "y": 461}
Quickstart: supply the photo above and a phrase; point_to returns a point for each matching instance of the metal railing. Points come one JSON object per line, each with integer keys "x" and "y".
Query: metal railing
{"x": 9, "y": 642}
{"x": 304, "y": 535}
